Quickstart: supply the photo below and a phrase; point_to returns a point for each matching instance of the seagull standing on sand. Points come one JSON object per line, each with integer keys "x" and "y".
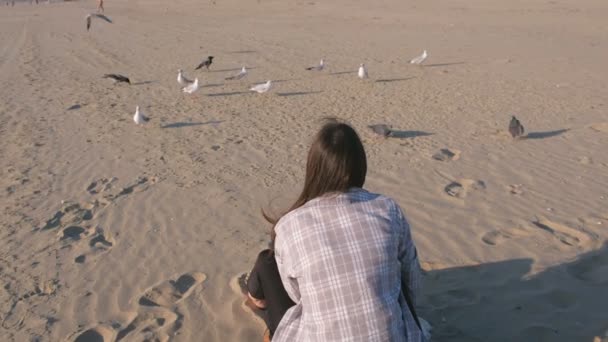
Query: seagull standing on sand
{"x": 191, "y": 88}
{"x": 238, "y": 76}
{"x": 90, "y": 16}
{"x": 516, "y": 128}
{"x": 206, "y": 63}
{"x": 181, "y": 79}
{"x": 117, "y": 78}
{"x": 317, "y": 67}
{"x": 362, "y": 71}
{"x": 419, "y": 59}
{"x": 139, "y": 118}
{"x": 262, "y": 88}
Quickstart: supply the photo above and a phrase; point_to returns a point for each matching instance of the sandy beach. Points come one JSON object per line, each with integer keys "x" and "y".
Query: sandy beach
{"x": 112, "y": 231}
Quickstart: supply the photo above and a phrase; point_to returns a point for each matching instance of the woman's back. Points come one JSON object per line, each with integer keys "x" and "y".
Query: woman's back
{"x": 343, "y": 259}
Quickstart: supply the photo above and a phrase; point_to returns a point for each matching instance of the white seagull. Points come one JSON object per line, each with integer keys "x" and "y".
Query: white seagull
{"x": 181, "y": 79}
{"x": 262, "y": 88}
{"x": 317, "y": 67}
{"x": 139, "y": 118}
{"x": 419, "y": 59}
{"x": 362, "y": 71}
{"x": 238, "y": 76}
{"x": 192, "y": 87}
{"x": 96, "y": 15}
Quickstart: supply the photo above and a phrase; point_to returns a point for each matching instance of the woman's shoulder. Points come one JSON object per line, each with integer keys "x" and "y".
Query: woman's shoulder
{"x": 329, "y": 202}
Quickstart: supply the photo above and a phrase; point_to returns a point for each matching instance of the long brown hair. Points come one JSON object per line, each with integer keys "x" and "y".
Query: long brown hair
{"x": 336, "y": 162}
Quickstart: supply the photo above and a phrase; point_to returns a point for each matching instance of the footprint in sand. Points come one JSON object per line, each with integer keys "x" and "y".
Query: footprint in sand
{"x": 96, "y": 334}
{"x": 238, "y": 284}
{"x": 99, "y": 242}
{"x": 462, "y": 187}
{"x": 139, "y": 185}
{"x": 496, "y": 237}
{"x": 566, "y": 235}
{"x": 600, "y": 127}
{"x": 593, "y": 269}
{"x": 158, "y": 318}
{"x": 100, "y": 185}
{"x": 172, "y": 291}
{"x": 516, "y": 189}
{"x": 70, "y": 213}
{"x": 446, "y": 154}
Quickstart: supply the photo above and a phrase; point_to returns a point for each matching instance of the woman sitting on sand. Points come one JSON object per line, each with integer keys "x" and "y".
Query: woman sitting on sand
{"x": 345, "y": 255}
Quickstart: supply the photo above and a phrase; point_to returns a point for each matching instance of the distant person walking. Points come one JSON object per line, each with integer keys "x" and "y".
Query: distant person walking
{"x": 100, "y": 6}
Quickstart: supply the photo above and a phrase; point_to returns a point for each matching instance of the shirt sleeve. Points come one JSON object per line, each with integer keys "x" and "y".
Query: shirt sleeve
{"x": 411, "y": 273}
{"x": 284, "y": 256}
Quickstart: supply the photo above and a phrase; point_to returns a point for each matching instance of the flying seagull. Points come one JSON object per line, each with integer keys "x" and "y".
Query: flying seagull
{"x": 96, "y": 15}
{"x": 117, "y": 78}
{"x": 262, "y": 88}
{"x": 419, "y": 59}
{"x": 317, "y": 67}
{"x": 139, "y": 118}
{"x": 181, "y": 79}
{"x": 206, "y": 63}
{"x": 362, "y": 71}
{"x": 192, "y": 87}
{"x": 516, "y": 128}
{"x": 381, "y": 129}
{"x": 238, "y": 76}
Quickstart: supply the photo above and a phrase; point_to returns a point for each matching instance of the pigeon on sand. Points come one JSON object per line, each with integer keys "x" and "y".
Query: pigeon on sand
{"x": 381, "y": 129}
{"x": 516, "y": 128}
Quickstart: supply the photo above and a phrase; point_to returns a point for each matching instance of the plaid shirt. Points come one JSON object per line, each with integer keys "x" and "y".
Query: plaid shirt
{"x": 342, "y": 259}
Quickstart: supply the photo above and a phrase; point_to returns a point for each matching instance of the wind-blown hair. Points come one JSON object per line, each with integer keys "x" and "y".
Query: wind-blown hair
{"x": 336, "y": 163}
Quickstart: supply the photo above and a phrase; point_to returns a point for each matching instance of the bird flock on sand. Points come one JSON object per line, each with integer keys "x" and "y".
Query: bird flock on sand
{"x": 516, "y": 129}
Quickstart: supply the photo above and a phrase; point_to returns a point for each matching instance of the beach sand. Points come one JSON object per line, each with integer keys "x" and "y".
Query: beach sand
{"x": 111, "y": 231}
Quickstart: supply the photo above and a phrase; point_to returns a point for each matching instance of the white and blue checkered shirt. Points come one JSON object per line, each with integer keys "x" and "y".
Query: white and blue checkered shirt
{"x": 343, "y": 259}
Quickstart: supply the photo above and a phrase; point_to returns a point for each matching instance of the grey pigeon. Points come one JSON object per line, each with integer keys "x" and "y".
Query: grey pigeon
{"x": 381, "y": 129}
{"x": 516, "y": 128}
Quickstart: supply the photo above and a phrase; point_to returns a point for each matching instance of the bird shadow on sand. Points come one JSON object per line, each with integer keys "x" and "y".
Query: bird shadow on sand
{"x": 502, "y": 301}
{"x": 343, "y": 72}
{"x": 232, "y": 69}
{"x": 299, "y": 93}
{"x": 546, "y": 134}
{"x": 441, "y": 64}
{"x": 408, "y": 134}
{"x": 275, "y": 81}
{"x": 232, "y": 93}
{"x": 143, "y": 83}
{"x": 242, "y": 51}
{"x": 211, "y": 85}
{"x": 391, "y": 80}
{"x": 76, "y": 106}
{"x": 189, "y": 124}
